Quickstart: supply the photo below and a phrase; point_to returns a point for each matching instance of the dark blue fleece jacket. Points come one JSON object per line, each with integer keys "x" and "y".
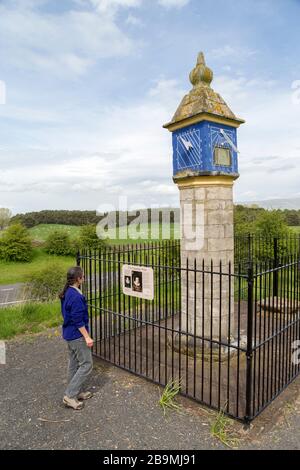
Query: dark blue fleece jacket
{"x": 75, "y": 314}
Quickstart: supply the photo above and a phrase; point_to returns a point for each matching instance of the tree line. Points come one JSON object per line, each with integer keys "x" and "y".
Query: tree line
{"x": 244, "y": 214}
{"x": 76, "y": 217}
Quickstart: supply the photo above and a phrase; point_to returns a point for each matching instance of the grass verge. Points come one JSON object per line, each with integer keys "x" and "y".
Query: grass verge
{"x": 13, "y": 272}
{"x": 28, "y": 318}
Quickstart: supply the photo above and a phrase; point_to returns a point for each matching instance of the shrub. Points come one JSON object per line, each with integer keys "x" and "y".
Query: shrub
{"x": 15, "y": 244}
{"x": 46, "y": 283}
{"x": 59, "y": 243}
{"x": 271, "y": 224}
{"x": 88, "y": 238}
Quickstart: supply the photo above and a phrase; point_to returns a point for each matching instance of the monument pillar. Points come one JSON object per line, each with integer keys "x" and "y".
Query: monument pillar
{"x": 204, "y": 168}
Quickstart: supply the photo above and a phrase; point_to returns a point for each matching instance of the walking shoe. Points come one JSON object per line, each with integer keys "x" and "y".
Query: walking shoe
{"x": 72, "y": 403}
{"x": 84, "y": 395}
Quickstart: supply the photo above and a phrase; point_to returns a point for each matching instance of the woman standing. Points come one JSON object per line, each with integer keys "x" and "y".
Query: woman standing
{"x": 76, "y": 333}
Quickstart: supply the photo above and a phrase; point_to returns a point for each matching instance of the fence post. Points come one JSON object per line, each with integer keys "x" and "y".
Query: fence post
{"x": 249, "y": 352}
{"x": 78, "y": 258}
{"x": 249, "y": 249}
{"x": 275, "y": 274}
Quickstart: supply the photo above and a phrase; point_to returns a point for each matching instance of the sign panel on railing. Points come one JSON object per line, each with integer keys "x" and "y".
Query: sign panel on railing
{"x": 138, "y": 281}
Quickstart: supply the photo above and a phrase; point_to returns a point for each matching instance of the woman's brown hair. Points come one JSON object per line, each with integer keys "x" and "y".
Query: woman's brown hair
{"x": 72, "y": 275}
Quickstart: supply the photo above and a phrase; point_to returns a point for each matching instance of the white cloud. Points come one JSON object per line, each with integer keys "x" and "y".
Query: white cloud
{"x": 63, "y": 43}
{"x": 120, "y": 150}
{"x": 123, "y": 150}
{"x": 134, "y": 20}
{"x": 173, "y": 3}
{"x": 69, "y": 42}
{"x": 235, "y": 52}
{"x": 33, "y": 115}
{"x": 112, "y": 5}
{"x": 168, "y": 92}
{"x": 269, "y": 141}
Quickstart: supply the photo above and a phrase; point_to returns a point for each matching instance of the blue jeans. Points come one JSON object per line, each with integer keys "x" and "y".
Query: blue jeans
{"x": 80, "y": 366}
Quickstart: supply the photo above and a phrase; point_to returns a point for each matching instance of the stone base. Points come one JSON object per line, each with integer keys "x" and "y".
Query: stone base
{"x": 279, "y": 305}
{"x": 187, "y": 345}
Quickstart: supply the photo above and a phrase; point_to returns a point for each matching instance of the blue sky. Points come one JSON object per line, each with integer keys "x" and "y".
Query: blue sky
{"x": 89, "y": 84}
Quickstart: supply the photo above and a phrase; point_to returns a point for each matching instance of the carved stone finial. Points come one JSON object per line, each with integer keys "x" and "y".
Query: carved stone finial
{"x": 202, "y": 99}
{"x": 201, "y": 74}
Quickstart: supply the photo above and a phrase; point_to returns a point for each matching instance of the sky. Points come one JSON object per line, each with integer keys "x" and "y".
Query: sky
{"x": 86, "y": 85}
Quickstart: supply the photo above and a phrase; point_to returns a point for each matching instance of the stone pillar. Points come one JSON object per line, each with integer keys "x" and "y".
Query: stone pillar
{"x": 207, "y": 238}
{"x": 205, "y": 164}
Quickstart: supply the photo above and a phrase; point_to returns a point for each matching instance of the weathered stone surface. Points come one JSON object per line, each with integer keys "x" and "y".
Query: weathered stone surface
{"x": 217, "y": 244}
{"x": 228, "y": 230}
{"x": 219, "y": 192}
{"x": 202, "y": 98}
{"x": 207, "y": 299}
{"x": 224, "y": 217}
{"x": 215, "y": 231}
{"x": 215, "y": 204}
{"x": 200, "y": 194}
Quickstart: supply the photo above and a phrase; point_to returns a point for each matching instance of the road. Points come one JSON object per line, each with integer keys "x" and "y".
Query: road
{"x": 124, "y": 412}
{"x": 11, "y": 294}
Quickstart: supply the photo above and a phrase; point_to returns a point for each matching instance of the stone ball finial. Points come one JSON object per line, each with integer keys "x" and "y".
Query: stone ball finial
{"x": 201, "y": 74}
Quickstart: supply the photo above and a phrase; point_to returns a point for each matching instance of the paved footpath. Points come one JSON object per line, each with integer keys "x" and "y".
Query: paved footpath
{"x": 12, "y": 294}
{"x": 123, "y": 414}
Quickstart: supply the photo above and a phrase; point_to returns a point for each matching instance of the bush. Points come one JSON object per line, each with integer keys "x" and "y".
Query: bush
{"x": 15, "y": 244}
{"x": 46, "y": 283}
{"x": 271, "y": 224}
{"x": 59, "y": 243}
{"x": 88, "y": 238}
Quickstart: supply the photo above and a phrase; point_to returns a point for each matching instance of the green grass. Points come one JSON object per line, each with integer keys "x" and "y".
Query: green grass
{"x": 220, "y": 429}
{"x": 28, "y": 318}
{"x": 42, "y": 231}
{"x": 167, "y": 399}
{"x": 295, "y": 229}
{"x": 13, "y": 272}
{"x": 127, "y": 235}
{"x": 123, "y": 235}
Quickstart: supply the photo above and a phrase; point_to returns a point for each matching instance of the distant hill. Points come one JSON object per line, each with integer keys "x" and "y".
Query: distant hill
{"x": 275, "y": 203}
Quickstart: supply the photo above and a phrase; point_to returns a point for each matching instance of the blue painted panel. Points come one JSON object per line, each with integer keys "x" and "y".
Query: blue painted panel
{"x": 193, "y": 148}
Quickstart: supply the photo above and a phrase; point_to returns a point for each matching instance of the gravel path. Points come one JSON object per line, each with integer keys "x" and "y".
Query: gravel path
{"x": 123, "y": 414}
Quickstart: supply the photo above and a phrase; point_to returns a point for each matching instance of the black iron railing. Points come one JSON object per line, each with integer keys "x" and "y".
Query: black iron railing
{"x": 227, "y": 333}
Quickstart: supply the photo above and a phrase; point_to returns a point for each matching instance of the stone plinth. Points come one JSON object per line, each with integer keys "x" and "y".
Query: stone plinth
{"x": 207, "y": 242}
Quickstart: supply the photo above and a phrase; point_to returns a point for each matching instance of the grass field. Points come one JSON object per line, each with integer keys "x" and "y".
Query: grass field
{"x": 295, "y": 229}
{"x": 121, "y": 236}
{"x": 12, "y": 272}
{"x": 42, "y": 231}
{"x": 142, "y": 233}
{"x": 28, "y": 318}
